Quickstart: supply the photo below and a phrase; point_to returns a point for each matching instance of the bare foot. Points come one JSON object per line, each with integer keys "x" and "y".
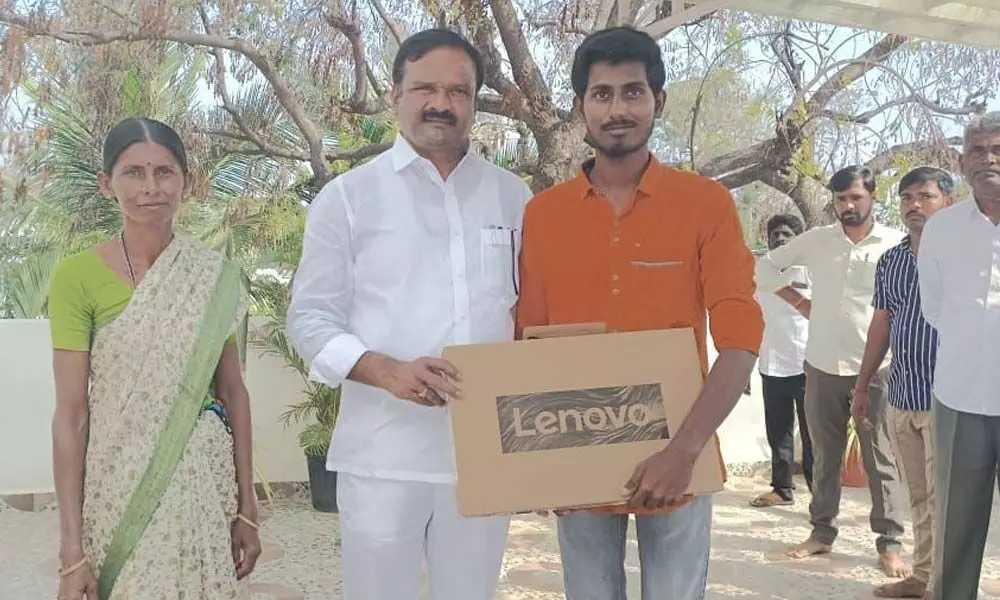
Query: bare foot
{"x": 910, "y": 587}
{"x": 809, "y": 548}
{"x": 894, "y": 565}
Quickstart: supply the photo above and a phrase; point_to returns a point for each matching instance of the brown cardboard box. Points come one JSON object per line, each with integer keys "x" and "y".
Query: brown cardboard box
{"x": 561, "y": 422}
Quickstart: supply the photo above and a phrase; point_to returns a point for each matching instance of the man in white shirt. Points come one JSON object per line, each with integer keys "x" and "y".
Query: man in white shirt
{"x": 841, "y": 259}
{"x": 959, "y": 270}
{"x": 783, "y": 381}
{"x": 409, "y": 253}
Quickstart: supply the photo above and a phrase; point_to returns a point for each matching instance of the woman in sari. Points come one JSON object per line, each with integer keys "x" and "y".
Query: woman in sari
{"x": 151, "y": 431}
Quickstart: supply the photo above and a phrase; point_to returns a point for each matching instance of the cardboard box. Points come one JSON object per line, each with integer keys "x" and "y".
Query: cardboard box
{"x": 562, "y": 422}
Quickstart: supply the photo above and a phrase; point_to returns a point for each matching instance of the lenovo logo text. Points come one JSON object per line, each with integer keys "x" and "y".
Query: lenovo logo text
{"x": 586, "y": 417}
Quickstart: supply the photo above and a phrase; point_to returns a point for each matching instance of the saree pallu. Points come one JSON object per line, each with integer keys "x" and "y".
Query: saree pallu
{"x": 160, "y": 490}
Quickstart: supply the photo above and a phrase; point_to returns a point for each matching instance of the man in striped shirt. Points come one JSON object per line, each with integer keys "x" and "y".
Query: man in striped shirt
{"x": 899, "y": 324}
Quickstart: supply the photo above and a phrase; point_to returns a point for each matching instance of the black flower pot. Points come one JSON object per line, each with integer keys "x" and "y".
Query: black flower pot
{"x": 322, "y": 485}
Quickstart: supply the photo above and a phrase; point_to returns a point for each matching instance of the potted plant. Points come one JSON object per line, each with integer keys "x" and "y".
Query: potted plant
{"x": 319, "y": 407}
{"x": 318, "y": 410}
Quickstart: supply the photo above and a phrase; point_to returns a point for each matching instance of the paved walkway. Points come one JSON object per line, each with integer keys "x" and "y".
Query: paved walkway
{"x": 301, "y": 555}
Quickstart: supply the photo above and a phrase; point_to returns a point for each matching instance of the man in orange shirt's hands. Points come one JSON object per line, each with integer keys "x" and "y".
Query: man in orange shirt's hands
{"x": 638, "y": 246}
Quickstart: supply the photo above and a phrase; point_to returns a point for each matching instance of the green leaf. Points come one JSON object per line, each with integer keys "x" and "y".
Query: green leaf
{"x": 132, "y": 88}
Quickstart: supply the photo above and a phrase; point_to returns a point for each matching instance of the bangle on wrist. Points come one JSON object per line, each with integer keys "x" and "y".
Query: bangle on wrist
{"x": 63, "y": 572}
{"x": 251, "y": 524}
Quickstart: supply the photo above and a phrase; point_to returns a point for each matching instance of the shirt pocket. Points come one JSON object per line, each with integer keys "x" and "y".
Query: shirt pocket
{"x": 861, "y": 275}
{"x": 661, "y": 292}
{"x": 498, "y": 261}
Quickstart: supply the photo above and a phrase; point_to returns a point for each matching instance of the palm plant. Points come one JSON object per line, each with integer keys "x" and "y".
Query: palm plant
{"x": 320, "y": 404}
{"x": 242, "y": 206}
{"x": 65, "y": 211}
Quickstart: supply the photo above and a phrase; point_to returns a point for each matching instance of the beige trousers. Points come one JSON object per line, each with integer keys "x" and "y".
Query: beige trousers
{"x": 913, "y": 443}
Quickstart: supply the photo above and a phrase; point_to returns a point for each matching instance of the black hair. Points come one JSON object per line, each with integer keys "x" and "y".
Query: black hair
{"x": 142, "y": 129}
{"x": 789, "y": 220}
{"x": 845, "y": 178}
{"x": 419, "y": 44}
{"x": 941, "y": 177}
{"x": 617, "y": 45}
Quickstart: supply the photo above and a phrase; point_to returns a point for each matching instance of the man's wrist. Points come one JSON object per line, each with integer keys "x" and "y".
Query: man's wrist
{"x": 377, "y": 367}
{"x": 689, "y": 443}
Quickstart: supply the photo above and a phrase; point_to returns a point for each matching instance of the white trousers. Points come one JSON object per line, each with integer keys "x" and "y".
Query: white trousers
{"x": 390, "y": 528}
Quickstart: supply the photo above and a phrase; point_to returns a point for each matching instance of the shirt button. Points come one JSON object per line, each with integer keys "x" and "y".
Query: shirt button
{"x": 614, "y": 277}
{"x": 615, "y": 291}
{"x": 616, "y": 239}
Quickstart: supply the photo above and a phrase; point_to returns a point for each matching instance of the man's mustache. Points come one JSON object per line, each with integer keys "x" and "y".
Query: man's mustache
{"x": 439, "y": 115}
{"x": 617, "y": 124}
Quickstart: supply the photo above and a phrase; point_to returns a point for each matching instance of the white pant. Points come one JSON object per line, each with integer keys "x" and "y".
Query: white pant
{"x": 388, "y": 528}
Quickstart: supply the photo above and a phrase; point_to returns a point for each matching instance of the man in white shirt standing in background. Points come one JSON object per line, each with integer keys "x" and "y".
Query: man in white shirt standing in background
{"x": 409, "y": 253}
{"x": 959, "y": 271}
{"x": 841, "y": 260}
{"x": 781, "y": 366}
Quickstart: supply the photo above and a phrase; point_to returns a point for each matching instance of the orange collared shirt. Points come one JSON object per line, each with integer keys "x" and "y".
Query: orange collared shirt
{"x": 674, "y": 256}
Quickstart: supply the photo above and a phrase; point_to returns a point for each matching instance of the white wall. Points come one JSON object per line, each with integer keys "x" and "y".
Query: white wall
{"x": 742, "y": 435}
{"x": 27, "y": 399}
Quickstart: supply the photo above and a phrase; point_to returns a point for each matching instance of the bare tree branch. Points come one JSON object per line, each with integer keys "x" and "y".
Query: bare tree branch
{"x": 668, "y": 20}
{"x": 526, "y": 72}
{"x": 738, "y": 179}
{"x": 626, "y": 12}
{"x": 514, "y": 101}
{"x": 39, "y": 27}
{"x": 560, "y": 26}
{"x": 359, "y": 154}
{"x": 940, "y": 151}
{"x": 604, "y": 14}
{"x": 261, "y": 148}
{"x": 731, "y": 164}
{"x": 377, "y": 87}
{"x": 863, "y": 118}
{"x": 394, "y": 27}
{"x": 854, "y": 70}
{"x": 359, "y": 102}
{"x": 434, "y": 9}
{"x": 222, "y": 89}
{"x": 794, "y": 188}
{"x": 782, "y": 47}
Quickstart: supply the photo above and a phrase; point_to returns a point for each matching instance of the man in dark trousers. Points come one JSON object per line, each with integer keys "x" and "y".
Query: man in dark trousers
{"x": 782, "y": 373}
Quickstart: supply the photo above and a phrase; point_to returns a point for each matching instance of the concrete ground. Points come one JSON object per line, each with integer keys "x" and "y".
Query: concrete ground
{"x": 301, "y": 557}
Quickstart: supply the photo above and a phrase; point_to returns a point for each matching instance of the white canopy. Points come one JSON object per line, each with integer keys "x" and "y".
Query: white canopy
{"x": 972, "y": 22}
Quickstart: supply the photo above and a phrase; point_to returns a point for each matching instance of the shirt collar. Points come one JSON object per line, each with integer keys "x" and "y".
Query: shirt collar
{"x": 649, "y": 183}
{"x": 403, "y": 155}
{"x": 977, "y": 213}
{"x": 877, "y": 234}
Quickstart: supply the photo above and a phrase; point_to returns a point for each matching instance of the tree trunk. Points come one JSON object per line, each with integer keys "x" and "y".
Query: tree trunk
{"x": 560, "y": 153}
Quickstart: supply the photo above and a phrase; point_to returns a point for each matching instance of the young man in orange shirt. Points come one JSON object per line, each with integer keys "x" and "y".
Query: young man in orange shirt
{"x": 638, "y": 246}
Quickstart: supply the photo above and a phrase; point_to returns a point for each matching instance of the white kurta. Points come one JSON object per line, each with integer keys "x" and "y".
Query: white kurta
{"x": 399, "y": 261}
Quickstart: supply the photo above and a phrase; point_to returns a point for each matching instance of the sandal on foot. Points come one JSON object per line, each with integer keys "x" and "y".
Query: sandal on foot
{"x": 769, "y": 499}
